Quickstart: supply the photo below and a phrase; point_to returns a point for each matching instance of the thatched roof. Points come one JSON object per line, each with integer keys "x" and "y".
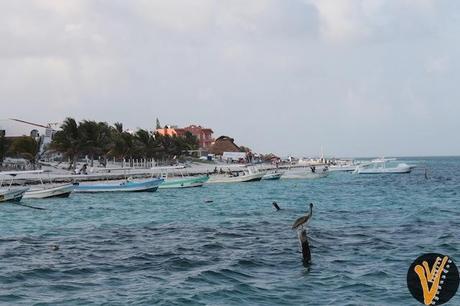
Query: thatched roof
{"x": 224, "y": 144}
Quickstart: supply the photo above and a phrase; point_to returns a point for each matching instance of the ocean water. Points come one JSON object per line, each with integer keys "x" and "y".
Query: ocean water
{"x": 173, "y": 248}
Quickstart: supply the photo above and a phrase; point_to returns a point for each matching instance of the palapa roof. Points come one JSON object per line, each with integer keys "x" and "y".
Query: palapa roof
{"x": 224, "y": 144}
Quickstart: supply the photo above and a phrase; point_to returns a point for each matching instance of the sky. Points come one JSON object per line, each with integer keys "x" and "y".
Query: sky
{"x": 355, "y": 77}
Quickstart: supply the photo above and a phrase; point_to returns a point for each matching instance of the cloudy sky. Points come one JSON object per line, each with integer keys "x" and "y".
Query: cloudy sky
{"x": 358, "y": 77}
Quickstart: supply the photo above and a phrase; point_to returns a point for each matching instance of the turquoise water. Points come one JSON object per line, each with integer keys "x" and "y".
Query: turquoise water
{"x": 172, "y": 248}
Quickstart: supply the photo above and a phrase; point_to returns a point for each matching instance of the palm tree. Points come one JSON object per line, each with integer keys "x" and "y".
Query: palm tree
{"x": 122, "y": 143}
{"x": 145, "y": 143}
{"x": 68, "y": 141}
{"x": 95, "y": 138}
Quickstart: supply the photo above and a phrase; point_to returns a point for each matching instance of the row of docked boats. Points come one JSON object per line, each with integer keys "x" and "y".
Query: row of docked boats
{"x": 10, "y": 192}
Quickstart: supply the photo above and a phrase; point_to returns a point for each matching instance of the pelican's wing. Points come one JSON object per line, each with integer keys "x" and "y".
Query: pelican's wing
{"x": 298, "y": 222}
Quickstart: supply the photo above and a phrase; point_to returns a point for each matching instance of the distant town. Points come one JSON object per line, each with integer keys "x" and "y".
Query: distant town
{"x": 24, "y": 144}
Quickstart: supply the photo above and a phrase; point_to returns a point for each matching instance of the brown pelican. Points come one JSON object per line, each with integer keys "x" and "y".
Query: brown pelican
{"x": 302, "y": 221}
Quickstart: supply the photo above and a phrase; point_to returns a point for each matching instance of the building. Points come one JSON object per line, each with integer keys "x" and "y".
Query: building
{"x": 204, "y": 135}
{"x": 224, "y": 144}
{"x": 167, "y": 131}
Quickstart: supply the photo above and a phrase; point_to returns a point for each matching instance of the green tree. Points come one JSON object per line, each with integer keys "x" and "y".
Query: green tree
{"x": 25, "y": 147}
{"x": 122, "y": 143}
{"x": 191, "y": 141}
{"x": 95, "y": 138}
{"x": 145, "y": 143}
{"x": 68, "y": 141}
{"x": 3, "y": 148}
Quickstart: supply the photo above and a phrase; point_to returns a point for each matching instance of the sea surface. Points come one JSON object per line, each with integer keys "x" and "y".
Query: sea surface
{"x": 171, "y": 247}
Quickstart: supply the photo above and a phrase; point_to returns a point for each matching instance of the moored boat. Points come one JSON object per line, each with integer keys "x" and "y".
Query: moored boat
{"x": 61, "y": 191}
{"x": 312, "y": 172}
{"x": 383, "y": 166}
{"x": 271, "y": 176}
{"x": 128, "y": 185}
{"x": 343, "y": 166}
{"x": 184, "y": 182}
{"x": 250, "y": 174}
{"x": 12, "y": 194}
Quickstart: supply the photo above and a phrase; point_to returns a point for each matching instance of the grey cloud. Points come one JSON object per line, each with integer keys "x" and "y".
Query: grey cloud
{"x": 360, "y": 78}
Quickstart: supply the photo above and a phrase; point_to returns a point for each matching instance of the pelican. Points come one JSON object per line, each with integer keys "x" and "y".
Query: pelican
{"x": 302, "y": 221}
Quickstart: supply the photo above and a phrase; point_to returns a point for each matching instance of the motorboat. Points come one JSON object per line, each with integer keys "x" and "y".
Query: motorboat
{"x": 127, "y": 185}
{"x": 12, "y": 194}
{"x": 180, "y": 181}
{"x": 8, "y": 192}
{"x": 273, "y": 175}
{"x": 383, "y": 166}
{"x": 343, "y": 166}
{"x": 312, "y": 172}
{"x": 184, "y": 182}
{"x": 44, "y": 190}
{"x": 249, "y": 174}
{"x": 59, "y": 191}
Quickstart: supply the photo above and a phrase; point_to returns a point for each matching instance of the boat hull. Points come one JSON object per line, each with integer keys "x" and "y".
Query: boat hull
{"x": 144, "y": 186}
{"x": 304, "y": 173}
{"x": 400, "y": 169}
{"x": 342, "y": 168}
{"x": 62, "y": 191}
{"x": 236, "y": 179}
{"x": 272, "y": 176}
{"x": 12, "y": 194}
{"x": 385, "y": 171}
{"x": 186, "y": 182}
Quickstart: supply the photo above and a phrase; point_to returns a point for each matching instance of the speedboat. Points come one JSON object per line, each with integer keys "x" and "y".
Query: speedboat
{"x": 271, "y": 176}
{"x": 127, "y": 185}
{"x": 383, "y": 166}
{"x": 250, "y": 174}
{"x": 312, "y": 172}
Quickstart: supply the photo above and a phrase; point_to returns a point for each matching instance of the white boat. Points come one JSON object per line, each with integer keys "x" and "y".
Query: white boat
{"x": 274, "y": 175}
{"x": 12, "y": 194}
{"x": 184, "y": 182}
{"x": 7, "y": 191}
{"x": 383, "y": 166}
{"x": 343, "y": 166}
{"x": 44, "y": 191}
{"x": 313, "y": 172}
{"x": 60, "y": 191}
{"x": 249, "y": 174}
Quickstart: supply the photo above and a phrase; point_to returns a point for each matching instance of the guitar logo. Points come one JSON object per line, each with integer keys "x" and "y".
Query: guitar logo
{"x": 433, "y": 279}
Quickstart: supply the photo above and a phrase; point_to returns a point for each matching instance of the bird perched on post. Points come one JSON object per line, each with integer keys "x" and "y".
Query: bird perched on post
{"x": 302, "y": 221}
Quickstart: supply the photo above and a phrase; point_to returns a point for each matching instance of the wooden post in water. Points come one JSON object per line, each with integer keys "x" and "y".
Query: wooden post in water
{"x": 306, "y": 254}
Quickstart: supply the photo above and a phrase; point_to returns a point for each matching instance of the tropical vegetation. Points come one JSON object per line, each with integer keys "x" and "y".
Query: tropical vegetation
{"x": 101, "y": 141}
